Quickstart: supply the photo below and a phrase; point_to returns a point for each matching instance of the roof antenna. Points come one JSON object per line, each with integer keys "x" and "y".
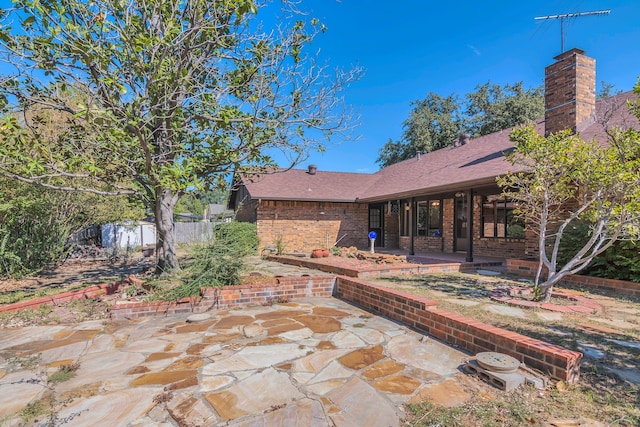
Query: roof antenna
{"x": 569, "y": 15}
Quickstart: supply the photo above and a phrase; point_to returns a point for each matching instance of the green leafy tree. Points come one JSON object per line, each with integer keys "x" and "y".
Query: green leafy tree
{"x": 189, "y": 203}
{"x": 35, "y": 223}
{"x": 436, "y": 122}
{"x": 492, "y": 108}
{"x": 176, "y": 95}
{"x": 567, "y": 182}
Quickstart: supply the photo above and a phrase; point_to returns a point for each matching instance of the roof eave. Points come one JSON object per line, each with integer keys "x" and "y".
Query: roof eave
{"x": 464, "y": 185}
{"x": 297, "y": 199}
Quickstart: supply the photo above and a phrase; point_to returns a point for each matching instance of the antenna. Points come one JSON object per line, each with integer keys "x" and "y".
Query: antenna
{"x": 570, "y": 15}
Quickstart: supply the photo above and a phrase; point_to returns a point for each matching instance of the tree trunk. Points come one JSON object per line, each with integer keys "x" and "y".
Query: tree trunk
{"x": 166, "y": 260}
{"x": 546, "y": 293}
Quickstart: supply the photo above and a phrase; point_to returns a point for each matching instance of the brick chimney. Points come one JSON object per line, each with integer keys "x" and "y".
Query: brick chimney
{"x": 569, "y": 91}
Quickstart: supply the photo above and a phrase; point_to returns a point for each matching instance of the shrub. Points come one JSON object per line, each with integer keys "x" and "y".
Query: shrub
{"x": 621, "y": 261}
{"x": 219, "y": 262}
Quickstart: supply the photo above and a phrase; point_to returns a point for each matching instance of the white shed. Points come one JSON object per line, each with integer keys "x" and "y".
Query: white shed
{"x": 129, "y": 234}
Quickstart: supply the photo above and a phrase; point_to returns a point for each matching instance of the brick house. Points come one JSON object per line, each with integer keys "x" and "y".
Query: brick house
{"x": 443, "y": 201}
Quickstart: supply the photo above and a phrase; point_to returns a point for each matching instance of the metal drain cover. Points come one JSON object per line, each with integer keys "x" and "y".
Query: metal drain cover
{"x": 497, "y": 362}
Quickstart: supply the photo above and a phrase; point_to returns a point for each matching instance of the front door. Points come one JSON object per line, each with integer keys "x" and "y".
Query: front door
{"x": 376, "y": 222}
{"x": 460, "y": 226}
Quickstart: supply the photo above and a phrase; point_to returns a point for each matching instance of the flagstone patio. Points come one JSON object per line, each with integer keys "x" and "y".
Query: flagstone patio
{"x": 313, "y": 362}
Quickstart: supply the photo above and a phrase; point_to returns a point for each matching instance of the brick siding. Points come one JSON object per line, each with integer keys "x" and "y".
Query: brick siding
{"x": 304, "y": 226}
{"x": 482, "y": 246}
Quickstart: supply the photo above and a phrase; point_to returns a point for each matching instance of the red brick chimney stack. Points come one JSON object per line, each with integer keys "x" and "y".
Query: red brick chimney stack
{"x": 570, "y": 91}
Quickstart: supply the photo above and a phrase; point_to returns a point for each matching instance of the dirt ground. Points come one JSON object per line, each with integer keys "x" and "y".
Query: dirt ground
{"x": 79, "y": 272}
{"x": 69, "y": 275}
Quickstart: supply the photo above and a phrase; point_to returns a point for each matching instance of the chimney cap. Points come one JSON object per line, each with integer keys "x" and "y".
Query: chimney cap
{"x": 569, "y": 52}
{"x": 312, "y": 169}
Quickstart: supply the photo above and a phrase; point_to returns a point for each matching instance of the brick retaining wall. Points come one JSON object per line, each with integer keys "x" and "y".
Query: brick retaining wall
{"x": 284, "y": 289}
{"x": 471, "y": 335}
{"x": 331, "y": 266}
{"x": 621, "y": 287}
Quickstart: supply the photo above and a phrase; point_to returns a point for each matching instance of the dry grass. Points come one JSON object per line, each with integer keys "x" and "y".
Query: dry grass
{"x": 600, "y": 395}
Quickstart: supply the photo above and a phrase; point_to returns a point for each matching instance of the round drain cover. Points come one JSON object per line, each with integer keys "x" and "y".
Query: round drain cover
{"x": 497, "y": 362}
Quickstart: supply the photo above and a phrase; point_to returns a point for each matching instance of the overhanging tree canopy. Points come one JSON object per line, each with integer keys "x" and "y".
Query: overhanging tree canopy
{"x": 436, "y": 121}
{"x": 168, "y": 96}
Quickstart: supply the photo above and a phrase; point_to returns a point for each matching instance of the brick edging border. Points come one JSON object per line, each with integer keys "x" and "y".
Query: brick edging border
{"x": 377, "y": 270}
{"x": 525, "y": 268}
{"x": 460, "y": 331}
{"x": 281, "y": 290}
{"x": 90, "y": 292}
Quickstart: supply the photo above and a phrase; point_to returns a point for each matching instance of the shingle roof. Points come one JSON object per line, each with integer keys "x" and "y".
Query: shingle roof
{"x": 476, "y": 163}
{"x": 297, "y": 184}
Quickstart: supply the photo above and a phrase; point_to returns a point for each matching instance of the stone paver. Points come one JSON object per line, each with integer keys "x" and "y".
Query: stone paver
{"x": 505, "y": 310}
{"x": 315, "y": 362}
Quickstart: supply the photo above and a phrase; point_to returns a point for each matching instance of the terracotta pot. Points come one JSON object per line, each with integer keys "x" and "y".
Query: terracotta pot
{"x": 317, "y": 253}
{"x": 325, "y": 252}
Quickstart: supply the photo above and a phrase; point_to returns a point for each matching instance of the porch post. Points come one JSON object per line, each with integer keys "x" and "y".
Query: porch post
{"x": 411, "y": 226}
{"x": 469, "y": 225}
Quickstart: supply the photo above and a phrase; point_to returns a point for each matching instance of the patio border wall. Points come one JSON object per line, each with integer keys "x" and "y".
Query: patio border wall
{"x": 283, "y": 289}
{"x": 414, "y": 311}
{"x": 528, "y": 269}
{"x": 373, "y": 270}
{"x": 468, "y": 334}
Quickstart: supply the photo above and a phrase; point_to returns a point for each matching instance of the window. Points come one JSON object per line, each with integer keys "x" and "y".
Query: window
{"x": 499, "y": 220}
{"x": 429, "y": 218}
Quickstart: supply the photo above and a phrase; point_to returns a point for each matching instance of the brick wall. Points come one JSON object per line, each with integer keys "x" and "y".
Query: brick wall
{"x": 499, "y": 247}
{"x": 621, "y": 287}
{"x": 422, "y": 243}
{"x": 468, "y": 334}
{"x": 447, "y": 225}
{"x": 503, "y": 248}
{"x": 304, "y": 226}
{"x": 283, "y": 289}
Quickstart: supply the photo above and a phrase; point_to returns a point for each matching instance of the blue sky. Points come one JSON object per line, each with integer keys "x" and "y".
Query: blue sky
{"x": 413, "y": 47}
